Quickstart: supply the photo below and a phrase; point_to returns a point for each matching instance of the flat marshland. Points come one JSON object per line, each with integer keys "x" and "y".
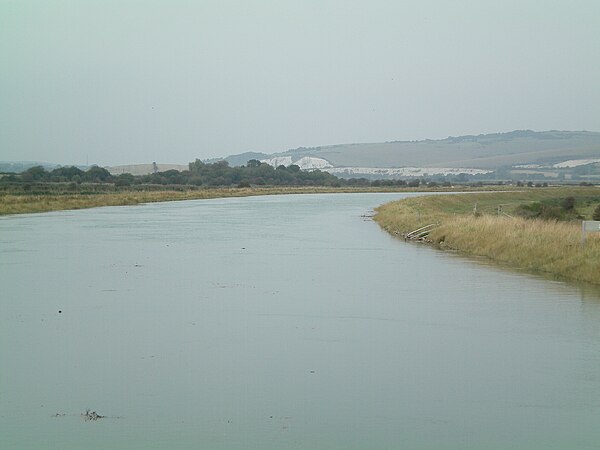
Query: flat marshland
{"x": 486, "y": 224}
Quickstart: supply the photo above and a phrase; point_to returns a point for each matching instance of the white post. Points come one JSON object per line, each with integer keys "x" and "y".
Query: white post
{"x": 588, "y": 226}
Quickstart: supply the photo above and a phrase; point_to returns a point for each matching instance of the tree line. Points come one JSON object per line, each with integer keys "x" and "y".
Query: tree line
{"x": 221, "y": 174}
{"x": 217, "y": 174}
{"x": 39, "y": 174}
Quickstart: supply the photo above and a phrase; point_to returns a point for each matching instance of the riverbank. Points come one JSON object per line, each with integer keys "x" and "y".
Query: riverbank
{"x": 35, "y": 203}
{"x": 23, "y": 203}
{"x": 480, "y": 224}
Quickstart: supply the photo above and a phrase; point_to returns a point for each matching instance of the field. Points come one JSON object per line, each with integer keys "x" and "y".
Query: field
{"x": 484, "y": 224}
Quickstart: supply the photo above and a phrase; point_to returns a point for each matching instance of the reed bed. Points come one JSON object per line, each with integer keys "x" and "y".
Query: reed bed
{"x": 541, "y": 246}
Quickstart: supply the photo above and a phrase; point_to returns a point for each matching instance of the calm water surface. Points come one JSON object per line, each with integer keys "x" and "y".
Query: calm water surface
{"x": 281, "y": 322}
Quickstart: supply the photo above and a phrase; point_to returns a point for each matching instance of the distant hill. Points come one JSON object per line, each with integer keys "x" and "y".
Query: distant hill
{"x": 134, "y": 169}
{"x": 521, "y": 154}
{"x": 242, "y": 158}
{"x": 465, "y": 154}
{"x": 484, "y": 151}
{"x": 145, "y": 169}
{"x": 22, "y": 166}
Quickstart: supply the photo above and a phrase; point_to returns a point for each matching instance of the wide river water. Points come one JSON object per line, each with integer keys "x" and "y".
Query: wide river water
{"x": 281, "y": 322}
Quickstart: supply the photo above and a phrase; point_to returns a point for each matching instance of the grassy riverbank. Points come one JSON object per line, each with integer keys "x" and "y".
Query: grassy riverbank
{"x": 56, "y": 196}
{"x": 32, "y": 203}
{"x": 11, "y": 203}
{"x": 535, "y": 245}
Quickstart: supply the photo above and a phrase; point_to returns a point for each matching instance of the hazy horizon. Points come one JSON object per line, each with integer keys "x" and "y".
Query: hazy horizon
{"x": 139, "y": 81}
{"x": 134, "y": 163}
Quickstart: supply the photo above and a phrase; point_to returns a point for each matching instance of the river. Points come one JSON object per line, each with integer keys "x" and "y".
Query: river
{"x": 281, "y": 322}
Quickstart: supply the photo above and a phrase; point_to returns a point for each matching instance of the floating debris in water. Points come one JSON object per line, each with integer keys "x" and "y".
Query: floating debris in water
{"x": 91, "y": 415}
{"x": 368, "y": 217}
{"x": 87, "y": 415}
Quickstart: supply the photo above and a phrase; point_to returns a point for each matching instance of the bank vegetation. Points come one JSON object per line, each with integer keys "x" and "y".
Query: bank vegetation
{"x": 64, "y": 200}
{"x": 537, "y": 230}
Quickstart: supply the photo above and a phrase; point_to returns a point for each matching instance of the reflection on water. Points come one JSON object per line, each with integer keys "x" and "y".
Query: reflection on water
{"x": 589, "y": 292}
{"x": 281, "y": 322}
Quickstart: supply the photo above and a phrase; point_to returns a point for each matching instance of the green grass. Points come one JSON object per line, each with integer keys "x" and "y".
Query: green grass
{"x": 541, "y": 246}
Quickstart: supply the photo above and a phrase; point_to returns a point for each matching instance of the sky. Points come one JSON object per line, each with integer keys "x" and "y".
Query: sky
{"x": 124, "y": 82}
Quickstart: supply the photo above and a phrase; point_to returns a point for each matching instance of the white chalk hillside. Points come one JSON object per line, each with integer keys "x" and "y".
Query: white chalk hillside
{"x": 312, "y": 163}
{"x": 575, "y": 163}
{"x": 278, "y": 161}
{"x": 405, "y": 171}
{"x": 305, "y": 163}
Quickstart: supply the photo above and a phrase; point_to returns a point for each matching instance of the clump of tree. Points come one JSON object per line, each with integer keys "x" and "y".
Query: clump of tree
{"x": 254, "y": 173}
{"x": 38, "y": 174}
{"x": 568, "y": 204}
{"x": 559, "y": 209}
{"x": 388, "y": 183}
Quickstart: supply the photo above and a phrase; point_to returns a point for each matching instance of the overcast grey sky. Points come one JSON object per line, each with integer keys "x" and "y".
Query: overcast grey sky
{"x": 170, "y": 81}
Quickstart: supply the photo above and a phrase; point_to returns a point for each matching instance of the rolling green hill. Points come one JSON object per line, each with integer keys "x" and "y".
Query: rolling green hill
{"x": 487, "y": 151}
{"x": 516, "y": 155}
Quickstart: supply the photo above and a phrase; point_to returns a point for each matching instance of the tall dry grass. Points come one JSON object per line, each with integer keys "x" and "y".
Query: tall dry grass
{"x": 535, "y": 245}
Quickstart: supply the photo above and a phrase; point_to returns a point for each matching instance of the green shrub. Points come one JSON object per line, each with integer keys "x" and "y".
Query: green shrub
{"x": 529, "y": 211}
{"x": 569, "y": 203}
{"x": 552, "y": 213}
